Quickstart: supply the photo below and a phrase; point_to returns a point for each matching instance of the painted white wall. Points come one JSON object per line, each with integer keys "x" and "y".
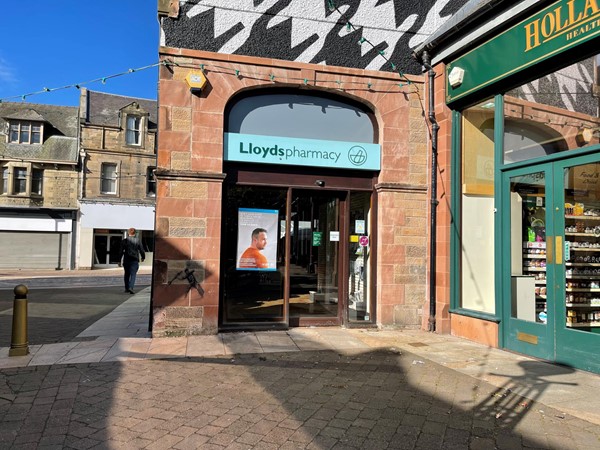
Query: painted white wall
{"x": 85, "y": 248}
{"x": 477, "y": 254}
{"x": 117, "y": 217}
{"x": 35, "y": 224}
{"x": 112, "y": 217}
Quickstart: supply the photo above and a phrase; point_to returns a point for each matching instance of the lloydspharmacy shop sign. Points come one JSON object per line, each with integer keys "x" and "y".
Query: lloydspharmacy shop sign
{"x": 561, "y": 26}
{"x": 254, "y": 148}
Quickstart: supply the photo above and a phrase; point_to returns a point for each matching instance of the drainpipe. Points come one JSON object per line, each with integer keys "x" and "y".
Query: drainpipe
{"x": 426, "y": 61}
{"x": 81, "y": 155}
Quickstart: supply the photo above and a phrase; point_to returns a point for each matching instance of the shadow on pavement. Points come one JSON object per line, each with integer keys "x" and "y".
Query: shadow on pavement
{"x": 310, "y": 399}
{"x": 322, "y": 399}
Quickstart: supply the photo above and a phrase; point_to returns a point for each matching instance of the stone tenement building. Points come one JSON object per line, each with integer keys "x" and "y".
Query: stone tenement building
{"x": 74, "y": 179}
{"x": 39, "y": 185}
{"x": 118, "y": 158}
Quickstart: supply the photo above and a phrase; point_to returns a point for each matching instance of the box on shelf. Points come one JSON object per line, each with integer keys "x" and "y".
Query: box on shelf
{"x": 534, "y": 245}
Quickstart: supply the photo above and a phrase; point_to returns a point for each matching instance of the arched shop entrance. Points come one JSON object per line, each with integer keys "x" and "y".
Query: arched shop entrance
{"x": 335, "y": 178}
{"x": 298, "y": 202}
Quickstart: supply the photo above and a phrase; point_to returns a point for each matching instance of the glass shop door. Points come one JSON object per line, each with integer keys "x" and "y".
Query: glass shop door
{"x": 253, "y": 257}
{"x": 552, "y": 274}
{"x": 281, "y": 260}
{"x": 577, "y": 212}
{"x": 528, "y": 265}
{"x": 107, "y": 248}
{"x": 315, "y": 263}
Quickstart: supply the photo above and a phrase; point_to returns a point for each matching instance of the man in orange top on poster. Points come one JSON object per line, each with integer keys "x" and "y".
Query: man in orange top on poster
{"x": 252, "y": 258}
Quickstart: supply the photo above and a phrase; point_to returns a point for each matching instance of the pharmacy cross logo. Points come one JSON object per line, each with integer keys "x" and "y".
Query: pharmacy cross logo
{"x": 357, "y": 155}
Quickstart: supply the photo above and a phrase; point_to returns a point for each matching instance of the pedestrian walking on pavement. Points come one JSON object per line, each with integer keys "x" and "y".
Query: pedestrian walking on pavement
{"x": 131, "y": 253}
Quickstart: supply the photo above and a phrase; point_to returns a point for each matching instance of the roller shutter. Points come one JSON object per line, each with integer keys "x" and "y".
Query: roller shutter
{"x": 34, "y": 250}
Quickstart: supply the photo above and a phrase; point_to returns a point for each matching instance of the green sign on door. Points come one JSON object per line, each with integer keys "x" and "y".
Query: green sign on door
{"x": 317, "y": 237}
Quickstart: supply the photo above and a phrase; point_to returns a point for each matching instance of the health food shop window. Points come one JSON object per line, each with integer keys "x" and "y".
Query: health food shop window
{"x": 554, "y": 113}
{"x": 476, "y": 239}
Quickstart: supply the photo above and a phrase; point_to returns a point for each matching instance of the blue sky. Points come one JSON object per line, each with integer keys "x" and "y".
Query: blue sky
{"x": 55, "y": 43}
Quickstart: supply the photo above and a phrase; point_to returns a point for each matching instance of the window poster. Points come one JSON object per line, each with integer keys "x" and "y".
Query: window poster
{"x": 257, "y": 239}
{"x": 317, "y": 238}
{"x": 359, "y": 226}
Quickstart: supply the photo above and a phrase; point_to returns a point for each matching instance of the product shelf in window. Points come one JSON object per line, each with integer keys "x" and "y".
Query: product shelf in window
{"x": 583, "y": 324}
{"x": 529, "y": 244}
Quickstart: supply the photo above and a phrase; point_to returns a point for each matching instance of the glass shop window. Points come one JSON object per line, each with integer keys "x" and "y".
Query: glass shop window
{"x": 278, "y": 112}
{"x": 555, "y": 113}
{"x": 147, "y": 238}
{"x": 477, "y": 208}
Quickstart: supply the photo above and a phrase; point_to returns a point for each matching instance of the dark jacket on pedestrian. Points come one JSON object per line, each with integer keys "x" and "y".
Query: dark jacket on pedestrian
{"x": 132, "y": 250}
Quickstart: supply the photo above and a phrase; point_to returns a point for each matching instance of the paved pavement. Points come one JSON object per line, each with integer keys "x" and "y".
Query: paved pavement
{"x": 316, "y": 388}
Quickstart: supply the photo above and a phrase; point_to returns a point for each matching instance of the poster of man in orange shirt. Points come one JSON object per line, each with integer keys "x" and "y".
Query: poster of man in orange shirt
{"x": 255, "y": 251}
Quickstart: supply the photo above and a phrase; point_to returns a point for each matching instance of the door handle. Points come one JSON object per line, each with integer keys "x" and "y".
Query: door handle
{"x": 559, "y": 250}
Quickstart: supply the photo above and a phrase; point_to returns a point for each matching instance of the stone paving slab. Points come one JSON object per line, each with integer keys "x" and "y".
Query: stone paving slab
{"x": 276, "y": 341}
{"x": 167, "y": 347}
{"x": 370, "y": 399}
{"x": 52, "y": 353}
{"x": 308, "y": 339}
{"x": 242, "y": 342}
{"x": 205, "y": 346}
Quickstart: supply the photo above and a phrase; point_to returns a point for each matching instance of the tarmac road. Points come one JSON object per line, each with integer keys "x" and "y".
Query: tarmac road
{"x": 71, "y": 281}
{"x": 59, "y": 308}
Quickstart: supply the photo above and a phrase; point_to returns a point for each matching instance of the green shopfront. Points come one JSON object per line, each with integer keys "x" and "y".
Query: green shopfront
{"x": 523, "y": 147}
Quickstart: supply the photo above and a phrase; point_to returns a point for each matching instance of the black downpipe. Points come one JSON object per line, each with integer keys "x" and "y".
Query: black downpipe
{"x": 426, "y": 60}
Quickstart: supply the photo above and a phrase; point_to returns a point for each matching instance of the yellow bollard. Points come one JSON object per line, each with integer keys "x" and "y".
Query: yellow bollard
{"x": 19, "y": 345}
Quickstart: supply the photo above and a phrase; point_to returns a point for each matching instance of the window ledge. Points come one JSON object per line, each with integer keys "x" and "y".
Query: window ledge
{"x": 25, "y": 143}
{"x": 476, "y": 314}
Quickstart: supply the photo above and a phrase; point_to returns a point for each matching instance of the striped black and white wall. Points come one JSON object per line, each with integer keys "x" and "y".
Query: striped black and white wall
{"x": 313, "y": 31}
